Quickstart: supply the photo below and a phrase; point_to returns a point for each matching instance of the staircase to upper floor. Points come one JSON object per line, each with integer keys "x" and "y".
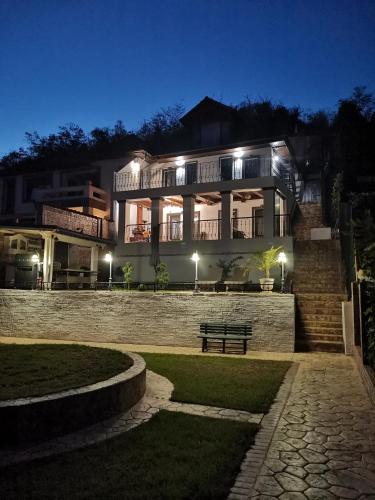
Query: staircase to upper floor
{"x": 318, "y": 284}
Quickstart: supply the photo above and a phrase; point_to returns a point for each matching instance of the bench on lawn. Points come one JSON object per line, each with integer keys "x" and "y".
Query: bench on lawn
{"x": 227, "y": 333}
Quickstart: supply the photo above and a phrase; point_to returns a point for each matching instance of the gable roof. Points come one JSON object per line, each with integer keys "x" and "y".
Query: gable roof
{"x": 208, "y": 110}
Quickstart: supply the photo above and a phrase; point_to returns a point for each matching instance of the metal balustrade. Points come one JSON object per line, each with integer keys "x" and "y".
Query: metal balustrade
{"x": 170, "y": 231}
{"x": 138, "y": 233}
{"x": 207, "y": 229}
{"x": 282, "y": 225}
{"x": 247, "y": 227}
{"x": 206, "y": 172}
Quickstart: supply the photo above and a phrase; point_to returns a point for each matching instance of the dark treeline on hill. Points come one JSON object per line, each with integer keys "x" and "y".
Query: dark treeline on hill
{"x": 353, "y": 124}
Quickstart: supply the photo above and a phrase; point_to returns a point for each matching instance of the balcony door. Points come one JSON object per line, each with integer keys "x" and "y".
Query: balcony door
{"x": 258, "y": 222}
{"x": 226, "y": 166}
{"x": 174, "y": 227}
{"x": 251, "y": 167}
{"x": 169, "y": 177}
{"x": 191, "y": 172}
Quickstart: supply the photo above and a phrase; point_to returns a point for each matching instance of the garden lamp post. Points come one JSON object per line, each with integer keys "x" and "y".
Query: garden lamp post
{"x": 35, "y": 260}
{"x": 108, "y": 258}
{"x": 195, "y": 258}
{"x": 282, "y": 261}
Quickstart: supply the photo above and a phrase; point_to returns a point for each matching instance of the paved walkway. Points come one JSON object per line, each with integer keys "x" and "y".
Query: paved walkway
{"x": 324, "y": 443}
{"x": 317, "y": 442}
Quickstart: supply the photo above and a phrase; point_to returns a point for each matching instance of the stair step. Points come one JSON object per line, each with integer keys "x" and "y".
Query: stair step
{"x": 319, "y": 345}
{"x": 308, "y": 337}
{"x": 307, "y": 325}
{"x": 305, "y": 317}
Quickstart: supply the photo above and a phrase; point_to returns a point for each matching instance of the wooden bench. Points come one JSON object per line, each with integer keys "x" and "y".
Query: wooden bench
{"x": 227, "y": 333}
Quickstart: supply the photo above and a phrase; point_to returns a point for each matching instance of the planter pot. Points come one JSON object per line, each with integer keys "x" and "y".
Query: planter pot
{"x": 266, "y": 284}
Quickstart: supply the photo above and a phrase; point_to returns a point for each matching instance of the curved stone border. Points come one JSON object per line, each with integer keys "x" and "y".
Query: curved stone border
{"x": 35, "y": 418}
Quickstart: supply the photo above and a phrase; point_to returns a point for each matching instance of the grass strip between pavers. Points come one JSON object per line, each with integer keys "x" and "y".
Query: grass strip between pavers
{"x": 241, "y": 384}
{"x": 40, "y": 369}
{"x": 172, "y": 456}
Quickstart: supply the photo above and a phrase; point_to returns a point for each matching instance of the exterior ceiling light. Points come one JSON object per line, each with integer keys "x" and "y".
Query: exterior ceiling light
{"x": 238, "y": 154}
{"x": 180, "y": 162}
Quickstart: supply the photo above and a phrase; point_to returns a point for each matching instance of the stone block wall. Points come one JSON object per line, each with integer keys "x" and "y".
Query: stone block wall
{"x": 309, "y": 216}
{"x": 145, "y": 318}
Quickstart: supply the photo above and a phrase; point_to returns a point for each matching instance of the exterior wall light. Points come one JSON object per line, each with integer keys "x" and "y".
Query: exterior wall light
{"x": 108, "y": 258}
{"x": 180, "y": 162}
{"x": 195, "y": 258}
{"x": 238, "y": 154}
{"x": 136, "y": 166}
{"x": 276, "y": 158}
{"x": 281, "y": 258}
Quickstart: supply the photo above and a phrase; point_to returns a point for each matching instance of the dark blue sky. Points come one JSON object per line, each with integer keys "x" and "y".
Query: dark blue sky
{"x": 92, "y": 62}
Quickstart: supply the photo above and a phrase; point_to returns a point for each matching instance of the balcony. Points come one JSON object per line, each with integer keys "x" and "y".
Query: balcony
{"x": 74, "y": 221}
{"x": 242, "y": 228}
{"x": 72, "y": 195}
{"x": 201, "y": 172}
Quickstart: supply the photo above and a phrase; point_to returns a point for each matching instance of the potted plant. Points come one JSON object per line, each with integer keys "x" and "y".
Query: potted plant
{"x": 264, "y": 261}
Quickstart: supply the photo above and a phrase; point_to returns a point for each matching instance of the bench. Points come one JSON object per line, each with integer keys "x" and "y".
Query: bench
{"x": 232, "y": 333}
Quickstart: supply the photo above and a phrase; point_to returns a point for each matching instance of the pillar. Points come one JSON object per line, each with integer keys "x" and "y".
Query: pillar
{"x": 121, "y": 221}
{"x": 94, "y": 264}
{"x": 48, "y": 257}
{"x": 269, "y": 212}
{"x": 226, "y": 215}
{"x": 188, "y": 220}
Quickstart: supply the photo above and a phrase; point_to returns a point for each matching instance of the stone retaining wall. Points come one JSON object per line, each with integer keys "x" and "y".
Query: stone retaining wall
{"x": 35, "y": 418}
{"x": 145, "y": 318}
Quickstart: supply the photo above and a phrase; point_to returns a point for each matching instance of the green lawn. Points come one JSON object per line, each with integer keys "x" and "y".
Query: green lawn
{"x": 240, "y": 384}
{"x": 35, "y": 370}
{"x": 172, "y": 457}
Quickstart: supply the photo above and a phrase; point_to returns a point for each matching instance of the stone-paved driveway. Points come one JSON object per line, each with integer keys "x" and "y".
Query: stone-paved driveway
{"x": 324, "y": 443}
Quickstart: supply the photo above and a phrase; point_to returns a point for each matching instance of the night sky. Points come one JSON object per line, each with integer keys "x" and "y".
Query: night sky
{"x": 92, "y": 62}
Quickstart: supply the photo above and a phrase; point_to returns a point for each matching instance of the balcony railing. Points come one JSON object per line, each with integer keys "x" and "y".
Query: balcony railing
{"x": 210, "y": 229}
{"x": 76, "y": 222}
{"x": 205, "y": 172}
{"x": 282, "y": 225}
{"x": 138, "y": 233}
{"x": 170, "y": 231}
{"x": 68, "y": 193}
{"x": 207, "y": 229}
{"x": 247, "y": 227}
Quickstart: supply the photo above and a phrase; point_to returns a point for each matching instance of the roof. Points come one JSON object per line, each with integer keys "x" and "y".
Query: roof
{"x": 208, "y": 110}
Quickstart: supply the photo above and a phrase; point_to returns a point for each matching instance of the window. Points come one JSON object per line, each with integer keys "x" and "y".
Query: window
{"x": 257, "y": 222}
{"x": 191, "y": 172}
{"x": 169, "y": 177}
{"x": 251, "y": 167}
{"x": 226, "y": 165}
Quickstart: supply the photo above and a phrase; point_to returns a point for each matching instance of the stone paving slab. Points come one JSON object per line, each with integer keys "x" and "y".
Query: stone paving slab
{"x": 324, "y": 443}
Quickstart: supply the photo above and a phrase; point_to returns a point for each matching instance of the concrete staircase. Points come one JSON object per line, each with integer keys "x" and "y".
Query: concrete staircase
{"x": 318, "y": 285}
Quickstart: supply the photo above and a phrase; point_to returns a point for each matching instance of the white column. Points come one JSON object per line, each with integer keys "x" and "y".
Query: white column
{"x": 94, "y": 264}
{"x": 51, "y": 258}
{"x": 47, "y": 241}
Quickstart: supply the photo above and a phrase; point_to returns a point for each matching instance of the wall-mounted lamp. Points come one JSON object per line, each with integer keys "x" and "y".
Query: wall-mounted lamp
{"x": 180, "y": 162}
{"x": 238, "y": 154}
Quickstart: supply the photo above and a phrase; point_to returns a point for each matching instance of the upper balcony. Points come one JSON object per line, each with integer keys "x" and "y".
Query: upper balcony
{"x": 142, "y": 175}
{"x": 73, "y": 196}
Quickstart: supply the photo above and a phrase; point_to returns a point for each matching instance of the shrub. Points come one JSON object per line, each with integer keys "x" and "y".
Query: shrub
{"x": 127, "y": 271}
{"x": 161, "y": 275}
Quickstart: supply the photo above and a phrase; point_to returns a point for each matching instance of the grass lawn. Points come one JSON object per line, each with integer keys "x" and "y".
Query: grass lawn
{"x": 240, "y": 384}
{"x": 35, "y": 370}
{"x": 174, "y": 456}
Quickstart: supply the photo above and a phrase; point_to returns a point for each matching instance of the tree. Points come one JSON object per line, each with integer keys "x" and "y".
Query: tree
{"x": 127, "y": 271}
{"x": 263, "y": 261}
{"x": 161, "y": 275}
{"x": 227, "y": 267}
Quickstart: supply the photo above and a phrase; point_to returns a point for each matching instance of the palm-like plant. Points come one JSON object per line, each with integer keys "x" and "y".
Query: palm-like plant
{"x": 263, "y": 261}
